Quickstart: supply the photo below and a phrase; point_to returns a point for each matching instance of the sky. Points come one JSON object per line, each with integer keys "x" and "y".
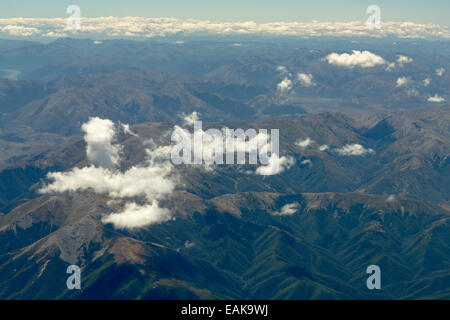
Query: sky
{"x": 418, "y": 11}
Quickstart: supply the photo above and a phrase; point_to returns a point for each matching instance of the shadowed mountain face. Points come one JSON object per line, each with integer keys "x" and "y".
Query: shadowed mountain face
{"x": 229, "y": 238}
{"x": 232, "y": 246}
{"x": 410, "y": 158}
{"x": 367, "y": 181}
{"x": 63, "y": 83}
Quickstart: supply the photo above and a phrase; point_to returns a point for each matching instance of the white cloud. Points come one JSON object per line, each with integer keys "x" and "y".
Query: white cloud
{"x": 306, "y": 79}
{"x": 284, "y": 86}
{"x": 189, "y": 119}
{"x": 426, "y": 82}
{"x": 99, "y": 138}
{"x": 151, "y": 27}
{"x": 287, "y": 210}
{"x": 436, "y": 98}
{"x": 152, "y": 180}
{"x": 440, "y": 72}
{"x": 363, "y": 59}
{"x": 307, "y": 162}
{"x": 188, "y": 244}
{"x": 401, "y": 60}
{"x": 353, "y": 150}
{"x": 324, "y": 147}
{"x": 403, "y": 81}
{"x": 391, "y": 198}
{"x": 282, "y": 69}
{"x": 19, "y": 30}
{"x": 137, "y": 216}
{"x": 390, "y": 66}
{"x": 304, "y": 143}
{"x": 276, "y": 165}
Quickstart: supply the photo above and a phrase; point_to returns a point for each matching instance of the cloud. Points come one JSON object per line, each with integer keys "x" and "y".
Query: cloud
{"x": 390, "y": 66}
{"x": 353, "y": 150}
{"x": 436, "y": 98}
{"x": 440, "y": 72}
{"x": 324, "y": 147}
{"x": 276, "y": 165}
{"x": 18, "y": 30}
{"x": 189, "y": 119}
{"x": 99, "y": 138}
{"x": 152, "y": 180}
{"x": 287, "y": 210}
{"x": 282, "y": 69}
{"x": 284, "y": 86}
{"x": 403, "y": 81}
{"x": 137, "y": 216}
{"x": 411, "y": 92}
{"x": 401, "y": 60}
{"x": 164, "y": 26}
{"x": 304, "y": 143}
{"x": 305, "y": 79}
{"x": 363, "y": 59}
{"x": 426, "y": 82}
{"x": 188, "y": 244}
{"x": 307, "y": 162}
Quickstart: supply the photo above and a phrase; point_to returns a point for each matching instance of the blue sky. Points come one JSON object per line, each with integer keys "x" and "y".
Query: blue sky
{"x": 418, "y": 11}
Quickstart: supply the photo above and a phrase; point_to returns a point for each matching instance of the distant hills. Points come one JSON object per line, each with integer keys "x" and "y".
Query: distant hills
{"x": 368, "y": 183}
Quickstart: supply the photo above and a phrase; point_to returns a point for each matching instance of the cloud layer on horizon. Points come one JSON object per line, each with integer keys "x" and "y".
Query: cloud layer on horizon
{"x": 153, "y": 27}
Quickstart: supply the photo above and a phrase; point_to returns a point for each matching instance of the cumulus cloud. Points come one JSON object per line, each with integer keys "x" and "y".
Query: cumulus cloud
{"x": 307, "y": 162}
{"x": 189, "y": 119}
{"x": 354, "y": 149}
{"x": 284, "y": 86}
{"x": 401, "y": 60}
{"x": 305, "y": 79}
{"x": 154, "y": 27}
{"x": 276, "y": 165}
{"x": 440, "y": 72}
{"x": 304, "y": 143}
{"x": 99, "y": 138}
{"x": 287, "y": 210}
{"x": 403, "y": 81}
{"x": 426, "y": 82}
{"x": 152, "y": 180}
{"x": 363, "y": 59}
{"x": 137, "y": 216}
{"x": 390, "y": 66}
{"x": 282, "y": 69}
{"x": 436, "y": 98}
{"x": 324, "y": 147}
